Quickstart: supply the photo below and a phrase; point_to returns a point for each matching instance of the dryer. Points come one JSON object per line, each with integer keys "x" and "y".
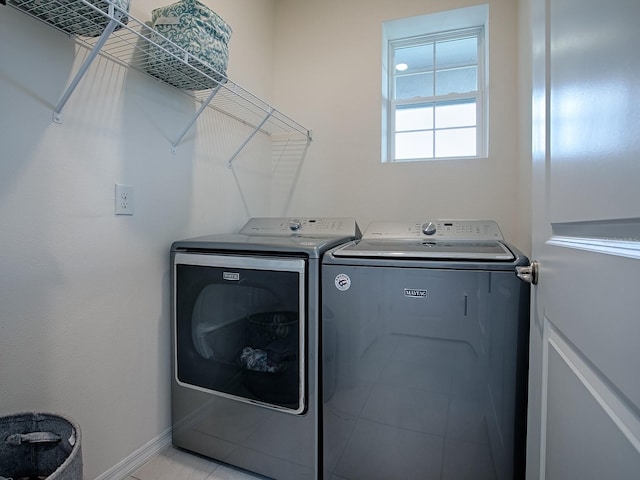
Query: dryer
{"x": 245, "y": 326}
{"x": 425, "y": 354}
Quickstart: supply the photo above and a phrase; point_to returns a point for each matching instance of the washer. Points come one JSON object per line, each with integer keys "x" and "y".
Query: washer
{"x": 244, "y": 341}
{"x": 425, "y": 353}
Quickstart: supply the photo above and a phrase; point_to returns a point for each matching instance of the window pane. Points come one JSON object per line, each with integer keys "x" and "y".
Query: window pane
{"x": 456, "y": 115}
{"x": 414, "y": 118}
{"x": 414, "y": 145}
{"x": 416, "y": 85}
{"x": 459, "y": 80}
{"x": 417, "y": 58}
{"x": 458, "y": 142}
{"x": 455, "y": 53}
{"x": 434, "y": 101}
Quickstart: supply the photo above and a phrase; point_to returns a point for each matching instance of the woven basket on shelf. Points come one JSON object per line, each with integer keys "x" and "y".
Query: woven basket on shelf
{"x": 197, "y": 30}
{"x": 74, "y": 16}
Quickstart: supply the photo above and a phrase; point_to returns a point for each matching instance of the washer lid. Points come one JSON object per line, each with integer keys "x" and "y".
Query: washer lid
{"x": 427, "y": 249}
{"x": 438, "y": 239}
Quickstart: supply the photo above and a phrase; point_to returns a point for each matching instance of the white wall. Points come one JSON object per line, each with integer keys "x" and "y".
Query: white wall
{"x": 84, "y": 294}
{"x": 327, "y": 76}
{"x": 524, "y": 122}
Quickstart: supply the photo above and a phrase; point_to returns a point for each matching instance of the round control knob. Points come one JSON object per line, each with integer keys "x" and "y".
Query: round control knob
{"x": 295, "y": 225}
{"x": 429, "y": 228}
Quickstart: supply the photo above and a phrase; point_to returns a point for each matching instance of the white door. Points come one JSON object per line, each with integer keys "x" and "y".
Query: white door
{"x": 584, "y": 398}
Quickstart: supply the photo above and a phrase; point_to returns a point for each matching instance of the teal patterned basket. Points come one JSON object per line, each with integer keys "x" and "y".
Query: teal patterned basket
{"x": 199, "y": 31}
{"x": 76, "y": 17}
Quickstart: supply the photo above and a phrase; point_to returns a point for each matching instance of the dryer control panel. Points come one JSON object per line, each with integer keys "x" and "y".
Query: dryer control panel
{"x": 478, "y": 230}
{"x": 312, "y": 226}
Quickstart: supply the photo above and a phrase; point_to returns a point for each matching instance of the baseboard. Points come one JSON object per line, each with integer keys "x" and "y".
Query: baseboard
{"x": 138, "y": 458}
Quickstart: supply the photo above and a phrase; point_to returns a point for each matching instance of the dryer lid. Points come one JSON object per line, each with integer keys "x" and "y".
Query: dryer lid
{"x": 338, "y": 227}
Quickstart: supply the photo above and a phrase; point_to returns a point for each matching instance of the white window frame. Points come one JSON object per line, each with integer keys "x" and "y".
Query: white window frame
{"x": 440, "y": 26}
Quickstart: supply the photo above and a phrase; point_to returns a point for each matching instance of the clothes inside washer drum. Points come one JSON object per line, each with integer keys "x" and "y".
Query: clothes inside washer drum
{"x": 258, "y": 360}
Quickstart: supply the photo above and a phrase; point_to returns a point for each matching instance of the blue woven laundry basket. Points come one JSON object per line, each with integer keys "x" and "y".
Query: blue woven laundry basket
{"x": 38, "y": 446}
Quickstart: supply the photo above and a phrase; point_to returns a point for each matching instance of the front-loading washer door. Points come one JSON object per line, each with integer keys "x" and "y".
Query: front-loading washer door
{"x": 239, "y": 328}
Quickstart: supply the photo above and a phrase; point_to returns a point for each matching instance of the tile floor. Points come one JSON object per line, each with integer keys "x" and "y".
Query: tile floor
{"x": 172, "y": 464}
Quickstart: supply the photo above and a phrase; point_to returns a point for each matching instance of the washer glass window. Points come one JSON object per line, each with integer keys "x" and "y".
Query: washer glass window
{"x": 240, "y": 328}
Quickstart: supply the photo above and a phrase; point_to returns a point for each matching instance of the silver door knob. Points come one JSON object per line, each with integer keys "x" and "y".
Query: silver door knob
{"x": 528, "y": 273}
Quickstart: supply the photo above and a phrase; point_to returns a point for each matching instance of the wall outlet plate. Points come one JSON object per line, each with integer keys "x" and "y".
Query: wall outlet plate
{"x": 124, "y": 199}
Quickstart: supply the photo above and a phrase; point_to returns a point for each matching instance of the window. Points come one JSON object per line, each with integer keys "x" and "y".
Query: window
{"x": 435, "y": 105}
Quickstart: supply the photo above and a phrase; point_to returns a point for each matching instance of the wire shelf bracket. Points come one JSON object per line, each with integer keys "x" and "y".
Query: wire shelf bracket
{"x": 204, "y": 105}
{"x": 251, "y": 135}
{"x": 111, "y": 26}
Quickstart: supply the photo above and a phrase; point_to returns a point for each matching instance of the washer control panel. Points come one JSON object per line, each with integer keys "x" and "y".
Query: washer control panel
{"x": 436, "y": 229}
{"x": 335, "y": 226}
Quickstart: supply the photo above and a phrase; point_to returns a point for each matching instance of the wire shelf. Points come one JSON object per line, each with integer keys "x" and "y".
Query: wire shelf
{"x": 105, "y": 28}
